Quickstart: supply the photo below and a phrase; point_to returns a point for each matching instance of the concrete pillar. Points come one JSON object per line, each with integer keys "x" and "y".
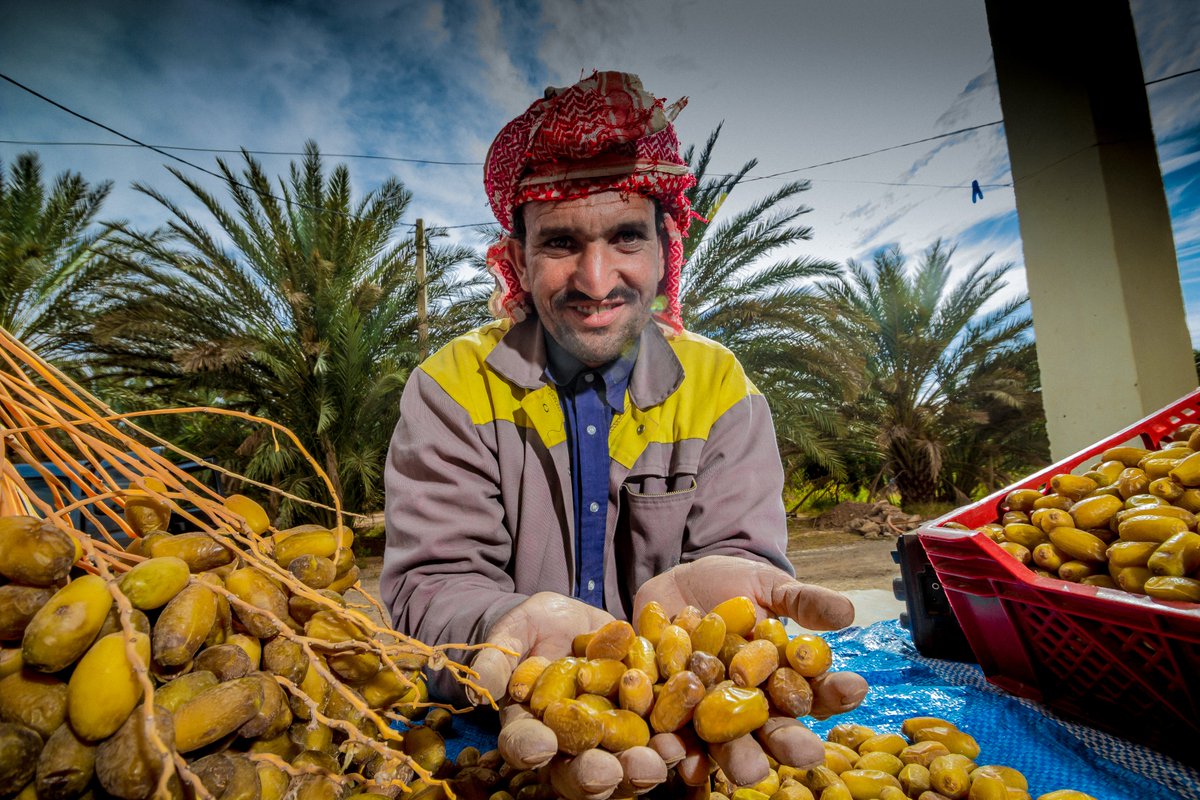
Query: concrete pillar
{"x": 1112, "y": 338}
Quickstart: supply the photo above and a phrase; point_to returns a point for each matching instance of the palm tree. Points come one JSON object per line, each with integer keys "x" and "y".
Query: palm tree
{"x": 998, "y": 441}
{"x": 47, "y": 255}
{"x": 947, "y": 378}
{"x": 300, "y": 307}
{"x": 742, "y": 289}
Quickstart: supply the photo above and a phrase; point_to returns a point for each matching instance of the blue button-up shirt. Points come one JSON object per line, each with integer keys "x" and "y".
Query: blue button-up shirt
{"x": 589, "y": 398}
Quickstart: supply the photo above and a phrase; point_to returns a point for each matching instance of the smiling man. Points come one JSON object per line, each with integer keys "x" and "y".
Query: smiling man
{"x": 585, "y": 454}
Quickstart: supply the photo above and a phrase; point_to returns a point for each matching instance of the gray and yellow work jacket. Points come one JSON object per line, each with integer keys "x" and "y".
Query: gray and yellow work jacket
{"x": 478, "y": 481}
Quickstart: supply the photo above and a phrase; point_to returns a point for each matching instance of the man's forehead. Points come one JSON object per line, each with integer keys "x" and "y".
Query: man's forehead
{"x": 609, "y": 206}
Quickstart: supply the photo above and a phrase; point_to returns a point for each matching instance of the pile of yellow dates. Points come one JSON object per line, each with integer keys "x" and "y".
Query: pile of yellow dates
{"x": 932, "y": 760}
{"x": 71, "y": 700}
{"x": 1128, "y": 523}
{"x": 719, "y": 675}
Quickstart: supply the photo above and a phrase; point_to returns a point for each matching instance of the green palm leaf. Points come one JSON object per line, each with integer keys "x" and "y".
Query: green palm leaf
{"x": 295, "y": 302}
{"x": 952, "y": 392}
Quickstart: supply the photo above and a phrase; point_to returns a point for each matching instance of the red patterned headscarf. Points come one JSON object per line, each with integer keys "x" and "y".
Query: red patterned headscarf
{"x": 604, "y": 133}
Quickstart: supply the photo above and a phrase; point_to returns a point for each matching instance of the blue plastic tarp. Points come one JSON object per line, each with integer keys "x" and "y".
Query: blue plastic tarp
{"x": 1051, "y": 752}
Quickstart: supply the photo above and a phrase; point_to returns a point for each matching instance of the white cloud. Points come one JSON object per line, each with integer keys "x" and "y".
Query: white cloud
{"x": 506, "y": 86}
{"x": 795, "y": 83}
{"x": 1167, "y": 34}
{"x": 434, "y": 23}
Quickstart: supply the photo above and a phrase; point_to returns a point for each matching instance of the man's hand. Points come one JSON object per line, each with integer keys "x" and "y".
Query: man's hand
{"x": 547, "y": 623}
{"x": 543, "y": 625}
{"x": 713, "y": 579}
{"x": 708, "y": 581}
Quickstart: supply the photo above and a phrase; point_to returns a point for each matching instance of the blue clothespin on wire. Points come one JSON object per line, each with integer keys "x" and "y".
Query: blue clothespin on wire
{"x": 976, "y": 192}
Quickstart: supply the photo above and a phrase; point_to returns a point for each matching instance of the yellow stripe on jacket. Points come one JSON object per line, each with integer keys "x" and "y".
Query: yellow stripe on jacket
{"x": 714, "y": 382}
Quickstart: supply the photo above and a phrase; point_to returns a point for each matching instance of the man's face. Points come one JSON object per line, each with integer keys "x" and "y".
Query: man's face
{"x": 592, "y": 266}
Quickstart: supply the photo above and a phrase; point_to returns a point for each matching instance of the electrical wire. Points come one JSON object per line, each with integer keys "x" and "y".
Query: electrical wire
{"x": 42, "y": 143}
{"x": 874, "y": 152}
{"x": 1176, "y": 75}
{"x": 154, "y": 148}
{"x": 174, "y": 157}
{"x": 164, "y": 151}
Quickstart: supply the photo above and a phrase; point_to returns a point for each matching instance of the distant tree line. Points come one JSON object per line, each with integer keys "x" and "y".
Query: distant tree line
{"x": 294, "y": 299}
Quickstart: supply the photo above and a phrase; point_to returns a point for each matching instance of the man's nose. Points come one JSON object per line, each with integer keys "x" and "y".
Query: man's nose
{"x": 595, "y": 274}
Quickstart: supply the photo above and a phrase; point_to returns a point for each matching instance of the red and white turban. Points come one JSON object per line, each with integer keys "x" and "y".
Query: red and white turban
{"x": 604, "y": 133}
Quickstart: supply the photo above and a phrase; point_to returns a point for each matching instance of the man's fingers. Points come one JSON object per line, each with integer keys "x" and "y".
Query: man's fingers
{"x": 591, "y": 775}
{"x": 712, "y": 579}
{"x": 527, "y": 744}
{"x": 494, "y": 668}
{"x": 812, "y": 607}
{"x": 742, "y": 760}
{"x": 790, "y": 742}
{"x": 693, "y": 768}
{"x": 836, "y": 693}
{"x": 644, "y": 769}
{"x": 513, "y": 712}
{"x": 669, "y": 746}
{"x": 543, "y": 624}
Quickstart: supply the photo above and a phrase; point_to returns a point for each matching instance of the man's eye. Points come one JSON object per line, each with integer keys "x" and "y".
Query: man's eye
{"x": 630, "y": 237}
{"x": 558, "y": 243}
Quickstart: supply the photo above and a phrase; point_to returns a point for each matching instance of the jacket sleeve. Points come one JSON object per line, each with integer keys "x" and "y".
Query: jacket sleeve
{"x": 444, "y": 577}
{"x": 738, "y": 510}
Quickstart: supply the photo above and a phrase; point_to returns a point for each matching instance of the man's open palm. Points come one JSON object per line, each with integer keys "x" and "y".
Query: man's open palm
{"x": 543, "y": 625}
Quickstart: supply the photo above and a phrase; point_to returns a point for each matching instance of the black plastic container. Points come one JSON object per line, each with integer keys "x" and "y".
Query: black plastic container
{"x": 935, "y": 630}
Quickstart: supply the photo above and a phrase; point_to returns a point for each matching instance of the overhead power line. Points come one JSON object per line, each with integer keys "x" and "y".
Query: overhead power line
{"x": 930, "y": 139}
{"x": 184, "y": 161}
{"x": 159, "y": 150}
{"x": 45, "y": 143}
{"x": 874, "y": 152}
{"x": 1175, "y": 75}
{"x": 164, "y": 151}
{"x": 113, "y": 131}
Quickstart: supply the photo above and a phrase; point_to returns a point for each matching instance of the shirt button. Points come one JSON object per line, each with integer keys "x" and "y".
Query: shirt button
{"x": 591, "y": 586}
{"x": 591, "y": 429}
{"x": 589, "y": 377}
{"x": 594, "y": 507}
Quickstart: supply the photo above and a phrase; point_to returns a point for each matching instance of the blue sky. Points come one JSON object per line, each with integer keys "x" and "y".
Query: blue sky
{"x": 794, "y": 83}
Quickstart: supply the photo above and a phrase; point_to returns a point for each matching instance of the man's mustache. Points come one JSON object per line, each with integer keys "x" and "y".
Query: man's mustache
{"x": 621, "y": 293}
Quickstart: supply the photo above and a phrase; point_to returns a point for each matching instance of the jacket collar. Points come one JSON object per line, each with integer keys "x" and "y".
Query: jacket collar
{"x": 520, "y": 357}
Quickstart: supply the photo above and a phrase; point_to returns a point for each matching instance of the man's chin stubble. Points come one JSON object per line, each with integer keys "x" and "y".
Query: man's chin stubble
{"x": 596, "y": 350}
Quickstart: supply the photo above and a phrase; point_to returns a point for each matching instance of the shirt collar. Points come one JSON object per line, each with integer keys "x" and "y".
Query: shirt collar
{"x": 563, "y": 369}
{"x": 521, "y": 358}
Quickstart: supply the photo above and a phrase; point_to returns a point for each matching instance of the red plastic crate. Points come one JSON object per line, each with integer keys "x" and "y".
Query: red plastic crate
{"x": 1125, "y": 663}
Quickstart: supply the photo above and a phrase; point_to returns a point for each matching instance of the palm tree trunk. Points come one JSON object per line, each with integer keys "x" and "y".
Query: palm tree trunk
{"x": 915, "y": 477}
{"x": 331, "y": 467}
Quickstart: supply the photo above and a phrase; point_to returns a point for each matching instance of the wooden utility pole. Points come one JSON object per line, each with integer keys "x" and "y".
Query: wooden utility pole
{"x": 422, "y": 296}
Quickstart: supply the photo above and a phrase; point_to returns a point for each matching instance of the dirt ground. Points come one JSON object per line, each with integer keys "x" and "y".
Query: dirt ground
{"x": 835, "y": 559}
{"x": 842, "y": 560}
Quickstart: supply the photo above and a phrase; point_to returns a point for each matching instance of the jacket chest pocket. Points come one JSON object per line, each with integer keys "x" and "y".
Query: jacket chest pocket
{"x": 654, "y": 521}
{"x": 652, "y": 517}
